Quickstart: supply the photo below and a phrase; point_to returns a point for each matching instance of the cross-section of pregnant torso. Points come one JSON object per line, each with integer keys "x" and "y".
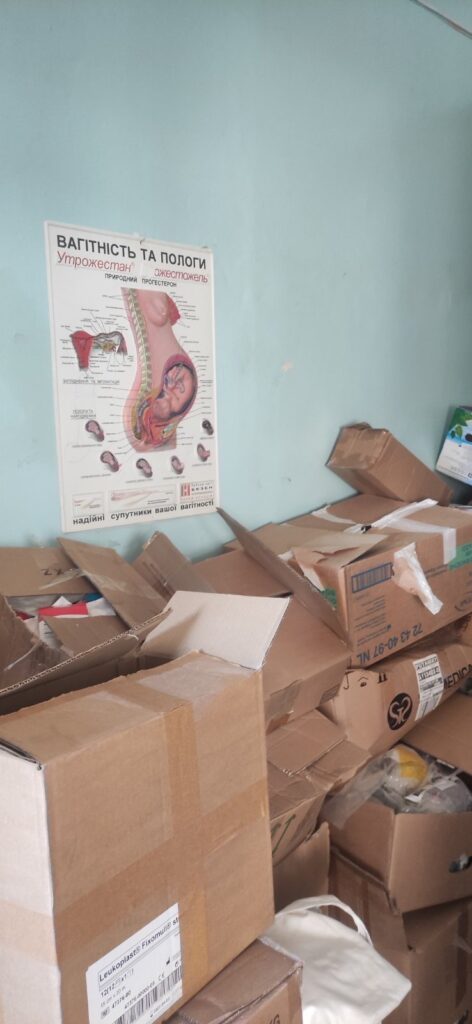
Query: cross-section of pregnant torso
{"x": 165, "y": 385}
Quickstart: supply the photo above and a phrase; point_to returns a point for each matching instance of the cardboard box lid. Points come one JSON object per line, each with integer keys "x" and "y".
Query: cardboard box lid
{"x": 254, "y": 975}
{"x": 58, "y": 728}
{"x": 166, "y": 569}
{"x": 129, "y": 593}
{"x": 27, "y": 572}
{"x": 236, "y": 573}
{"x": 447, "y": 733}
{"x": 310, "y": 598}
{"x": 235, "y": 628}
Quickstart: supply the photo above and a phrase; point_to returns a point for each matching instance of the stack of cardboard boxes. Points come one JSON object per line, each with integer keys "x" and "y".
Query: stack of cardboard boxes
{"x": 138, "y": 844}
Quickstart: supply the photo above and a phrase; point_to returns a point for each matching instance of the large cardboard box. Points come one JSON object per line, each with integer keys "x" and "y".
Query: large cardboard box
{"x": 361, "y": 582}
{"x": 260, "y": 987}
{"x": 420, "y": 859}
{"x": 305, "y": 871}
{"x": 431, "y": 947}
{"x": 374, "y": 462}
{"x": 307, "y": 759}
{"x": 376, "y": 707}
{"x": 305, "y": 663}
{"x": 134, "y": 827}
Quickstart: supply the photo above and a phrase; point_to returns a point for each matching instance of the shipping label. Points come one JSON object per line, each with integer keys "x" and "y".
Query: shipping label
{"x": 139, "y": 980}
{"x": 430, "y": 684}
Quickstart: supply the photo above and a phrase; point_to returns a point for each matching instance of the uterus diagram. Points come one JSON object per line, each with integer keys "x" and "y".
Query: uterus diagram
{"x": 165, "y": 385}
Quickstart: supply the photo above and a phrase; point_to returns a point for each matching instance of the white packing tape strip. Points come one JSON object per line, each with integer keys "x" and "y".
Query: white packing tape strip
{"x": 399, "y": 520}
{"x": 322, "y": 513}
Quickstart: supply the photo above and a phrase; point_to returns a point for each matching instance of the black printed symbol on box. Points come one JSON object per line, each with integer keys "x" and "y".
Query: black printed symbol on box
{"x": 400, "y": 710}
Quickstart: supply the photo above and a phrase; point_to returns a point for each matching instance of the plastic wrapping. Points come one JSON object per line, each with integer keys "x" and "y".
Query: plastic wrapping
{"x": 409, "y": 576}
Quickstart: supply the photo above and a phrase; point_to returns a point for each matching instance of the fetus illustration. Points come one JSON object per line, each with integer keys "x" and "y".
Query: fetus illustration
{"x": 84, "y": 342}
{"x": 165, "y": 385}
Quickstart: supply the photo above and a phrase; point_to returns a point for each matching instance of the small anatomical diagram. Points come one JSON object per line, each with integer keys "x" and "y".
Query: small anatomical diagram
{"x": 93, "y": 427}
{"x": 165, "y": 385}
{"x": 84, "y": 343}
{"x": 203, "y": 453}
{"x": 145, "y": 468}
{"x": 110, "y": 460}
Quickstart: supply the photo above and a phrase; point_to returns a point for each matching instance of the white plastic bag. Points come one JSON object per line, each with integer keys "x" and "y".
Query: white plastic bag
{"x": 345, "y": 981}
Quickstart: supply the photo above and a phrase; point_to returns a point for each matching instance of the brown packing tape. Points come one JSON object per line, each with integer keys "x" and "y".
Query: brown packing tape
{"x": 310, "y": 598}
{"x": 295, "y": 998}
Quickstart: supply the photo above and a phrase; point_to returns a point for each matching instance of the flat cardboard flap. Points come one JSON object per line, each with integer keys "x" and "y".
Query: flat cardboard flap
{"x": 254, "y": 975}
{"x": 237, "y": 629}
{"x": 234, "y": 572}
{"x": 28, "y": 572}
{"x": 79, "y": 635}
{"x": 310, "y": 598}
{"x": 129, "y": 593}
{"x": 447, "y": 733}
{"x": 303, "y": 742}
{"x": 167, "y": 569}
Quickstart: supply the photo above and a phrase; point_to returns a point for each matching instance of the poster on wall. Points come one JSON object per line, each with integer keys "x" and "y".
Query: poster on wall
{"x": 133, "y": 353}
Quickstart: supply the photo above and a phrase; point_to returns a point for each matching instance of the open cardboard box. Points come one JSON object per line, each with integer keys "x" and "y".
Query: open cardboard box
{"x": 135, "y": 825}
{"x": 420, "y": 859}
{"x": 360, "y": 583}
{"x": 432, "y": 947}
{"x": 71, "y": 570}
{"x": 374, "y": 462}
{"x": 305, "y": 663}
{"x": 378, "y": 706}
{"x": 307, "y": 759}
{"x": 262, "y": 986}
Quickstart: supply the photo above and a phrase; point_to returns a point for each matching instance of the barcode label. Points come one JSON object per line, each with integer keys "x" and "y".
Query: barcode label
{"x": 141, "y": 978}
{"x": 150, "y": 999}
{"x": 430, "y": 684}
{"x": 371, "y": 577}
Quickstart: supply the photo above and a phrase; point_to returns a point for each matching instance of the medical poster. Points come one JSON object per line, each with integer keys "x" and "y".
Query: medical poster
{"x": 134, "y": 374}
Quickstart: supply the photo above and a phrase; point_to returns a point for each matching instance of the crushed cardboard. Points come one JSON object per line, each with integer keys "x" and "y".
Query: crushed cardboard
{"x": 307, "y": 759}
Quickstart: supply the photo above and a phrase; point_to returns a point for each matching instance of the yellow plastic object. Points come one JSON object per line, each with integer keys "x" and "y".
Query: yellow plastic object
{"x": 412, "y": 769}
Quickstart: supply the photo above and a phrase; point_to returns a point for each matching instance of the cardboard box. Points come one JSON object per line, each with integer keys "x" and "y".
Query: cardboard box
{"x": 374, "y": 462}
{"x": 134, "y": 827}
{"x": 305, "y": 663}
{"x": 356, "y": 582}
{"x": 431, "y": 947}
{"x": 72, "y": 570}
{"x": 307, "y": 759}
{"x": 260, "y": 987}
{"x": 376, "y": 707}
{"x": 455, "y": 459}
{"x": 420, "y": 859}
{"x": 305, "y": 871}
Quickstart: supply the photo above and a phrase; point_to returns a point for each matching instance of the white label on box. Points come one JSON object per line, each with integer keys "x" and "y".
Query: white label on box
{"x": 140, "y": 979}
{"x": 430, "y": 684}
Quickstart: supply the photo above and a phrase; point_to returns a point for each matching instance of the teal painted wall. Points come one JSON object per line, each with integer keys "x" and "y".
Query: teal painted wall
{"x": 322, "y": 148}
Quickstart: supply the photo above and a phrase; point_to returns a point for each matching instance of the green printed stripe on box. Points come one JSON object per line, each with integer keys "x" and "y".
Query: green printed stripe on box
{"x": 463, "y": 556}
{"x": 330, "y": 594}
